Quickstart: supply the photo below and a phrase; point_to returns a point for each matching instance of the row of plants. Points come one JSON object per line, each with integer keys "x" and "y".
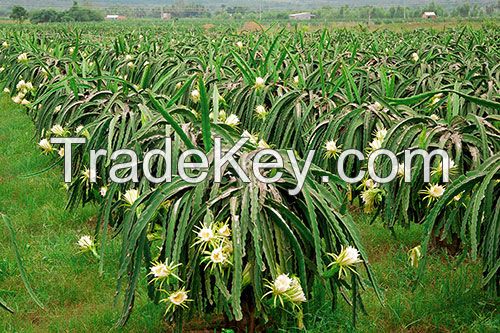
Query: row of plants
{"x": 242, "y": 249}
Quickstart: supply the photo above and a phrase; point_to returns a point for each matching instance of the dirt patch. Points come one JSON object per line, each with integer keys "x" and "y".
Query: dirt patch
{"x": 252, "y": 26}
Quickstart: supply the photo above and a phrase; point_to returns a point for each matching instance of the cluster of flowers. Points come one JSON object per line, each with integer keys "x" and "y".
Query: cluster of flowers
{"x": 286, "y": 288}
{"x": 45, "y": 144}
{"x": 166, "y": 273}
{"x": 214, "y": 243}
{"x": 372, "y": 195}
{"x": 24, "y": 89}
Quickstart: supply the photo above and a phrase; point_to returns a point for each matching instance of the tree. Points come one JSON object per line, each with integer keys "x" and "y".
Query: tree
{"x": 19, "y": 14}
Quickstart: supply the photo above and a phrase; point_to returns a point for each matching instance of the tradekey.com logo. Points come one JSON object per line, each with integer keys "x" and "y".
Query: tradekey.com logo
{"x": 193, "y": 165}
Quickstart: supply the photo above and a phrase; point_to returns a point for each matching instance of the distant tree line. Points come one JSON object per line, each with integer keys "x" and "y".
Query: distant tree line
{"x": 181, "y": 10}
{"x": 73, "y": 14}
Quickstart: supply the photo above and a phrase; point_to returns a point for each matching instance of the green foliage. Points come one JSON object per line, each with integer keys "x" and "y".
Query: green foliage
{"x": 74, "y": 14}
{"x": 19, "y": 14}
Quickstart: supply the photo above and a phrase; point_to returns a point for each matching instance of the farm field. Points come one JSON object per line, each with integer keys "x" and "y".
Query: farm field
{"x": 235, "y": 256}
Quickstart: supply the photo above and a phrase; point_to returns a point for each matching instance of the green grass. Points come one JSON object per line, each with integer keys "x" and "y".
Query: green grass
{"x": 78, "y": 299}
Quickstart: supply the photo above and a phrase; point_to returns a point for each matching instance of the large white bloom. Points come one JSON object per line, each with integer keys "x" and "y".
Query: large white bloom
{"x": 414, "y": 256}
{"x": 206, "y": 234}
{"x": 23, "y": 57}
{"x": 195, "y": 95}
{"x": 332, "y": 149}
{"x": 282, "y": 283}
{"x": 103, "y": 191}
{"x": 58, "y": 130}
{"x": 433, "y": 192}
{"x": 261, "y": 111}
{"x": 46, "y": 146}
{"x": 260, "y": 83}
{"x": 380, "y": 134}
{"x": 131, "y": 196}
{"x": 218, "y": 255}
{"x": 86, "y": 243}
{"x": 224, "y": 231}
{"x": 178, "y": 298}
{"x": 346, "y": 259}
{"x": 376, "y": 144}
{"x": 232, "y": 120}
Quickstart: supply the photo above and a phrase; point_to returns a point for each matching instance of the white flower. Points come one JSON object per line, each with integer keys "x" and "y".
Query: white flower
{"x": 160, "y": 271}
{"x": 103, "y": 190}
{"x": 131, "y": 196}
{"x": 5, "y": 44}
{"x": 368, "y": 183}
{"x": 332, "y": 150}
{"x": 433, "y": 192}
{"x": 224, "y": 230}
{"x": 130, "y": 65}
{"x": 371, "y": 197}
{"x": 376, "y": 144}
{"x": 60, "y": 152}
{"x": 436, "y": 98}
{"x": 6, "y": 90}
{"x": 71, "y": 50}
{"x": 414, "y": 256}
{"x": 25, "y": 102}
{"x": 260, "y": 83}
{"x": 380, "y": 134}
{"x": 435, "y": 117}
{"x": 28, "y": 86}
{"x": 58, "y": 130}
{"x": 78, "y": 129}
{"x": 195, "y": 95}
{"x": 128, "y": 57}
{"x": 58, "y": 108}
{"x": 23, "y": 57}
{"x": 346, "y": 259}
{"x": 232, "y": 120}
{"x": 261, "y": 111}
{"x": 401, "y": 170}
{"x": 17, "y": 99}
{"x": 206, "y": 234}
{"x": 21, "y": 85}
{"x": 86, "y": 243}
{"x": 452, "y": 168}
{"x": 178, "y": 85}
{"x": 282, "y": 283}
{"x": 296, "y": 294}
{"x": 286, "y": 288}
{"x": 239, "y": 44}
{"x": 46, "y": 146}
{"x": 218, "y": 255}
{"x": 376, "y": 106}
{"x": 178, "y": 298}
{"x": 296, "y": 79}
{"x": 348, "y": 256}
{"x": 414, "y": 57}
{"x": 436, "y": 191}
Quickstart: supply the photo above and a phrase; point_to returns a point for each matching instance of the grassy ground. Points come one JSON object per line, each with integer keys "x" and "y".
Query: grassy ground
{"x": 77, "y": 299}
